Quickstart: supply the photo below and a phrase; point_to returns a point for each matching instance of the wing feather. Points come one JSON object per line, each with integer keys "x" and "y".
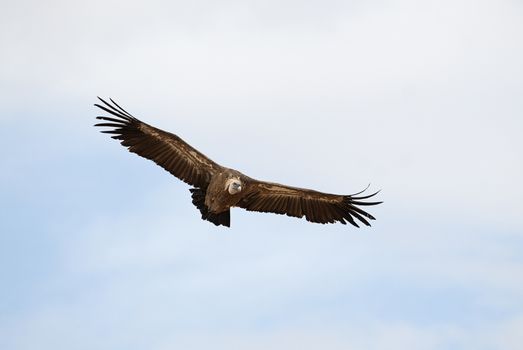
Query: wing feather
{"x": 299, "y": 202}
{"x": 165, "y": 149}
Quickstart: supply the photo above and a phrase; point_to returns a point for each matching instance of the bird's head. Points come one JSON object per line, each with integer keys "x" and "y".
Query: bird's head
{"x": 233, "y": 185}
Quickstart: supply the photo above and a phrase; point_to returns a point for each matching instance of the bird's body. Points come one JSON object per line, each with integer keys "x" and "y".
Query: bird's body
{"x": 216, "y": 188}
{"x": 218, "y": 198}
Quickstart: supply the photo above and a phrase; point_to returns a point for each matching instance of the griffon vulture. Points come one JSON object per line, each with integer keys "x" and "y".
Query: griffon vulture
{"x": 216, "y": 189}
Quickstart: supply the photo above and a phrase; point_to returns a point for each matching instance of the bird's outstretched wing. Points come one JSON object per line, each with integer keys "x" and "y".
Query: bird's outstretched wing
{"x": 165, "y": 149}
{"x": 299, "y": 202}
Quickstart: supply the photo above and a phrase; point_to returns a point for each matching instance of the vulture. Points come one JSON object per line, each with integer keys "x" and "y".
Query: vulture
{"x": 215, "y": 189}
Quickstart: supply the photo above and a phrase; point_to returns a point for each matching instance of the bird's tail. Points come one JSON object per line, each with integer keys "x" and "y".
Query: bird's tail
{"x": 198, "y": 199}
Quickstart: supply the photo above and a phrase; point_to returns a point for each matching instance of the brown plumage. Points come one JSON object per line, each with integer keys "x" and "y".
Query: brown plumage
{"x": 217, "y": 189}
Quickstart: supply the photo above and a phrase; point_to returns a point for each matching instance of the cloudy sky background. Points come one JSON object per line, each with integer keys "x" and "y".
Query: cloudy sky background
{"x": 100, "y": 249}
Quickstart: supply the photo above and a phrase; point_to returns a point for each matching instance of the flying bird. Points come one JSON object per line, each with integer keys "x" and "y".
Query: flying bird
{"x": 216, "y": 189}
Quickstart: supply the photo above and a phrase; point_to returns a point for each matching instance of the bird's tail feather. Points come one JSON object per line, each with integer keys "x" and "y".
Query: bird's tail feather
{"x": 198, "y": 199}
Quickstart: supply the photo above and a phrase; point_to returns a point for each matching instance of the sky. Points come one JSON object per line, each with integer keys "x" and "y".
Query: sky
{"x": 102, "y": 249}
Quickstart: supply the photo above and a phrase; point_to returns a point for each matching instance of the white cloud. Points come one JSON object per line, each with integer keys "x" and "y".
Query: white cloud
{"x": 421, "y": 99}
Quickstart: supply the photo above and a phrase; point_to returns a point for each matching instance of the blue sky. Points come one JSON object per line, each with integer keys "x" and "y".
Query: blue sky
{"x": 102, "y": 249}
